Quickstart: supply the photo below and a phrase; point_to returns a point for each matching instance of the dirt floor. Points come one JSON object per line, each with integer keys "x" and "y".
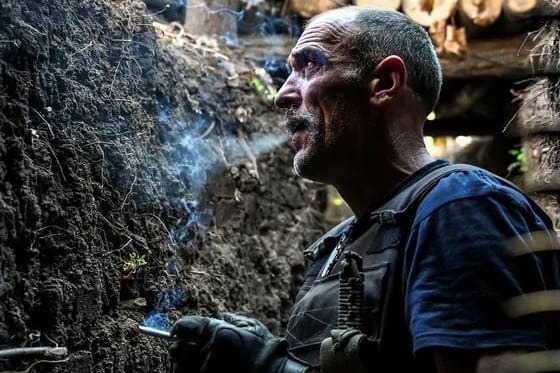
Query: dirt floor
{"x": 143, "y": 175}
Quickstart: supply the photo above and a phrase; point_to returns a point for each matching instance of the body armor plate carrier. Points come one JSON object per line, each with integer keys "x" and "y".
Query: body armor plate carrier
{"x": 381, "y": 246}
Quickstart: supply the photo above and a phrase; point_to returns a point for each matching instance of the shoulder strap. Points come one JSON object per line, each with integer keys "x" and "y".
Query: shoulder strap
{"x": 313, "y": 249}
{"x": 405, "y": 203}
{"x": 403, "y": 206}
{"x": 397, "y": 205}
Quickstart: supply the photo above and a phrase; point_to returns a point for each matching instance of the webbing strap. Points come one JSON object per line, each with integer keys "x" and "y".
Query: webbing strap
{"x": 406, "y": 202}
{"x": 402, "y": 202}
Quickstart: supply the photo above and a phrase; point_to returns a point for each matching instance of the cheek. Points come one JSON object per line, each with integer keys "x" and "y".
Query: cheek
{"x": 326, "y": 108}
{"x": 332, "y": 101}
{"x": 322, "y": 93}
{"x": 329, "y": 116}
{"x": 312, "y": 97}
{"x": 337, "y": 119}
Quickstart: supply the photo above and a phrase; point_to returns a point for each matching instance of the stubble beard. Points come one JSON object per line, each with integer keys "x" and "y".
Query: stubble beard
{"x": 310, "y": 149}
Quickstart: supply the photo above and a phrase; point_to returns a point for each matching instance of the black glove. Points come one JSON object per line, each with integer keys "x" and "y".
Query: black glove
{"x": 233, "y": 344}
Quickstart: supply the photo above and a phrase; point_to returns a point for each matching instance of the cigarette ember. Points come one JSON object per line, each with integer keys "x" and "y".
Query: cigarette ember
{"x": 156, "y": 332}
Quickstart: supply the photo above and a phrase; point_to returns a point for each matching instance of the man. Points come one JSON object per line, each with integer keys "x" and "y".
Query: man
{"x": 436, "y": 269}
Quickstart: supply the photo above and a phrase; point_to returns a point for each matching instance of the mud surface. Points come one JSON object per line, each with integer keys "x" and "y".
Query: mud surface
{"x": 133, "y": 162}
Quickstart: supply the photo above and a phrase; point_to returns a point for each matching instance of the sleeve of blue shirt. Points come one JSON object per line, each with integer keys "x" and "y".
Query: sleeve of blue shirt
{"x": 458, "y": 271}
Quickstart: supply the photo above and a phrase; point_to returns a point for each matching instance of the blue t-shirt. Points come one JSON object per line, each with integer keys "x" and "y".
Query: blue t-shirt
{"x": 458, "y": 270}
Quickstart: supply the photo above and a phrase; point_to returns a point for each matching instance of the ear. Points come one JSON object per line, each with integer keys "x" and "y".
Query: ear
{"x": 388, "y": 77}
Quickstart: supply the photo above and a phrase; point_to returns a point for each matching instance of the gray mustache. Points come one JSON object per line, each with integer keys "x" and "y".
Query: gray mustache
{"x": 295, "y": 122}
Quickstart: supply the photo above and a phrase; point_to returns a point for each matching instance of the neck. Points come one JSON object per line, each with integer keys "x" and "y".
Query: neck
{"x": 369, "y": 185}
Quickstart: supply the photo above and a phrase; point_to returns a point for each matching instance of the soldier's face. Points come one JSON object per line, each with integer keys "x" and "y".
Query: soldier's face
{"x": 324, "y": 103}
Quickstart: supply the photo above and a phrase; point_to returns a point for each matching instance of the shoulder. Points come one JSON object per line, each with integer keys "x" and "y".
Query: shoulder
{"x": 474, "y": 192}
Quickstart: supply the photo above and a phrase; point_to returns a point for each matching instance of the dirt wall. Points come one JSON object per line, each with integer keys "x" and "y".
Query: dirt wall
{"x": 141, "y": 174}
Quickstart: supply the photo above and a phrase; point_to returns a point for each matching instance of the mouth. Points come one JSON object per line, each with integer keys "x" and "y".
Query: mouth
{"x": 297, "y": 130}
{"x": 297, "y": 134}
{"x": 294, "y": 125}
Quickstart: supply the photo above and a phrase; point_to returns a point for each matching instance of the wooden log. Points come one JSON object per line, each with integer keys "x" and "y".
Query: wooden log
{"x": 522, "y": 9}
{"x": 505, "y": 58}
{"x": 478, "y": 15}
{"x": 426, "y": 12}
{"x": 450, "y": 41}
{"x": 382, "y": 4}
{"x": 308, "y": 9}
{"x": 518, "y": 15}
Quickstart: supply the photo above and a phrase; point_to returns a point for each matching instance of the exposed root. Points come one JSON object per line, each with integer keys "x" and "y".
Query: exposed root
{"x": 543, "y": 159}
{"x": 550, "y": 202}
{"x": 129, "y": 192}
{"x": 545, "y": 55}
{"x": 28, "y": 369}
{"x": 540, "y": 106}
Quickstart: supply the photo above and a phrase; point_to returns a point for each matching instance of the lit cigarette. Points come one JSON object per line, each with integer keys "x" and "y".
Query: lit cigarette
{"x": 156, "y": 332}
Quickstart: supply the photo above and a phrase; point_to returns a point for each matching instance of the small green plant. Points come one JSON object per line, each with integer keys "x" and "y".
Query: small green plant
{"x": 266, "y": 92}
{"x": 134, "y": 262}
{"x": 521, "y": 163}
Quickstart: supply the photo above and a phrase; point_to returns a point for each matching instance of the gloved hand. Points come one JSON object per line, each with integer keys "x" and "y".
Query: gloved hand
{"x": 232, "y": 344}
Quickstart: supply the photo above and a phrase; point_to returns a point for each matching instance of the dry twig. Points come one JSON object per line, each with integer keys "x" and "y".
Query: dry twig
{"x": 129, "y": 191}
{"x": 243, "y": 141}
{"x": 36, "y": 363}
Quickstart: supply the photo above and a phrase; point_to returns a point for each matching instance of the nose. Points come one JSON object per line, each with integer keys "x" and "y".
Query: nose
{"x": 288, "y": 96}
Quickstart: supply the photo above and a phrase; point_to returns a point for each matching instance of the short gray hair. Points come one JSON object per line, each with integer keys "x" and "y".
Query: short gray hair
{"x": 380, "y": 33}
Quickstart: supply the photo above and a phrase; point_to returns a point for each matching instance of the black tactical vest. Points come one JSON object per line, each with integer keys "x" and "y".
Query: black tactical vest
{"x": 382, "y": 247}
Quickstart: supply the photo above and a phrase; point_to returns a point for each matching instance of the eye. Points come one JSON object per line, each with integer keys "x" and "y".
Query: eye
{"x": 310, "y": 63}
{"x": 309, "y": 66}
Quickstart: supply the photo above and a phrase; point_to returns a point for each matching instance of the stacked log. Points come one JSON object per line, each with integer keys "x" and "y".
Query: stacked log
{"x": 383, "y": 4}
{"x": 449, "y": 22}
{"x": 539, "y": 120}
{"x": 308, "y": 9}
{"x": 437, "y": 16}
{"x": 520, "y": 10}
{"x": 479, "y": 15}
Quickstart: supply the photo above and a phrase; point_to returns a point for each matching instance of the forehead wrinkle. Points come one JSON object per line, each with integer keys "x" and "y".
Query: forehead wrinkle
{"x": 329, "y": 33}
{"x": 324, "y": 36}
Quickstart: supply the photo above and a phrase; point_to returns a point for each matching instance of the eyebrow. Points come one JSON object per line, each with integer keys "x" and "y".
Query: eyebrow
{"x": 319, "y": 55}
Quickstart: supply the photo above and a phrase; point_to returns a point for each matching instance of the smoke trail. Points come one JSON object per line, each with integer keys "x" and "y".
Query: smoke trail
{"x": 193, "y": 225}
{"x": 239, "y": 14}
{"x": 168, "y": 299}
{"x": 196, "y": 156}
{"x": 195, "y": 159}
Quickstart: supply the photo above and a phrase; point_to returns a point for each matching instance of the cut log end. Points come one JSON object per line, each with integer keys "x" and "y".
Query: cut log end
{"x": 480, "y": 13}
{"x": 427, "y": 12}
{"x": 449, "y": 40}
{"x": 521, "y": 7}
{"x": 308, "y": 9}
{"x": 381, "y": 4}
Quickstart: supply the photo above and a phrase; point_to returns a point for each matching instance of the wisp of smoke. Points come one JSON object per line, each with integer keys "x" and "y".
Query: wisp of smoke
{"x": 238, "y": 14}
{"x": 196, "y": 157}
{"x": 193, "y": 224}
{"x": 168, "y": 299}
